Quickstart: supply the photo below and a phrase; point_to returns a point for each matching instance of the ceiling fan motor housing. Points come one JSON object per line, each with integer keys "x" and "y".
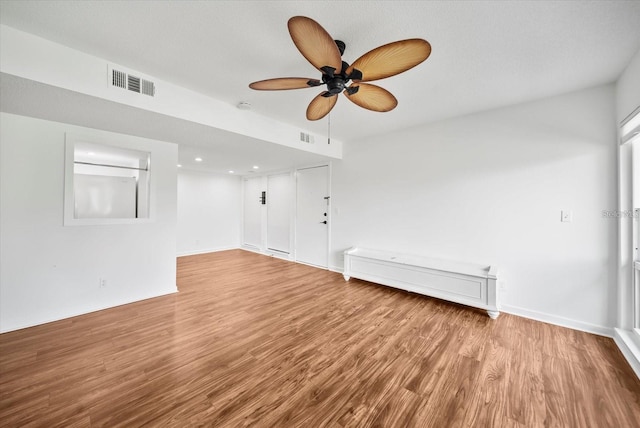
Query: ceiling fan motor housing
{"x": 336, "y": 83}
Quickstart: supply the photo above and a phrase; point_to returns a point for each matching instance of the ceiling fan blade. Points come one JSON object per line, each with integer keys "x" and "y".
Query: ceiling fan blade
{"x": 371, "y": 97}
{"x": 390, "y": 59}
{"x": 315, "y": 44}
{"x": 320, "y": 106}
{"x": 284, "y": 83}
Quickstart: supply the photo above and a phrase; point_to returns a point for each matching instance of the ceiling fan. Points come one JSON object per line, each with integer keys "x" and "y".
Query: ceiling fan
{"x": 325, "y": 54}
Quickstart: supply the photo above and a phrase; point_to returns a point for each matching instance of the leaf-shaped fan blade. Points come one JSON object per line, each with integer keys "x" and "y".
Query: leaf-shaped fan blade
{"x": 391, "y": 59}
{"x": 314, "y": 43}
{"x": 284, "y": 83}
{"x": 371, "y": 97}
{"x": 320, "y": 106}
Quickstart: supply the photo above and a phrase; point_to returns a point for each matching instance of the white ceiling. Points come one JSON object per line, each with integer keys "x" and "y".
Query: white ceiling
{"x": 486, "y": 54}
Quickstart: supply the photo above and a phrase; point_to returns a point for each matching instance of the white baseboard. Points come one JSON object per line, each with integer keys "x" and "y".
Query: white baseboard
{"x": 336, "y": 269}
{"x": 629, "y": 347}
{"x": 205, "y": 251}
{"x": 278, "y": 255}
{"x": 77, "y": 314}
{"x": 275, "y": 254}
{"x": 251, "y": 249}
{"x": 558, "y": 320}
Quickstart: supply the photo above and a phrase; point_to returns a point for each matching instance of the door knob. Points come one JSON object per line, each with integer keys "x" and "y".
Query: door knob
{"x": 324, "y": 222}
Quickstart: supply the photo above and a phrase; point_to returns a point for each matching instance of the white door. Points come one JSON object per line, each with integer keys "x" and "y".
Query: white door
{"x": 312, "y": 216}
{"x": 252, "y": 213}
{"x": 279, "y": 207}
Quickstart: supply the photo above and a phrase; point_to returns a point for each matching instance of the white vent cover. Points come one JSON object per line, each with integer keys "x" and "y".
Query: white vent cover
{"x": 121, "y": 79}
{"x": 306, "y": 138}
{"x": 148, "y": 88}
{"x": 133, "y": 83}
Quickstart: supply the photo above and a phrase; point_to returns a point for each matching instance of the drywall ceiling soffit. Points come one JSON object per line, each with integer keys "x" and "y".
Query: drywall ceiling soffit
{"x": 220, "y": 150}
{"x": 486, "y": 54}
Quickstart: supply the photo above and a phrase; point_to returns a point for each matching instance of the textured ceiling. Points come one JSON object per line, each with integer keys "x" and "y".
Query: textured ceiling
{"x": 486, "y": 54}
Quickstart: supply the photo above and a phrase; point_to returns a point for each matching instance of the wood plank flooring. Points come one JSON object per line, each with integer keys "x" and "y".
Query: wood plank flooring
{"x": 255, "y": 341}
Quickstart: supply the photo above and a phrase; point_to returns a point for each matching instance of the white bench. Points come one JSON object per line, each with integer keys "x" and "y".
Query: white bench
{"x": 464, "y": 283}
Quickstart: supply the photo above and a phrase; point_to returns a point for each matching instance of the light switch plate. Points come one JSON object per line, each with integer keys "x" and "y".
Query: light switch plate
{"x": 566, "y": 216}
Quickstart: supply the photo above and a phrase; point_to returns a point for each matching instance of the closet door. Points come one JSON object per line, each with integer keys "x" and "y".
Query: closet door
{"x": 279, "y": 207}
{"x": 252, "y": 213}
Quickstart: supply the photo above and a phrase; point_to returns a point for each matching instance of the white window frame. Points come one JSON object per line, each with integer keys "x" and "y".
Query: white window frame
{"x": 629, "y": 210}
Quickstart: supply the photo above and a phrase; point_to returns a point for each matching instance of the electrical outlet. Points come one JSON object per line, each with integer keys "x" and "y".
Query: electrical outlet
{"x": 566, "y": 216}
{"x": 103, "y": 283}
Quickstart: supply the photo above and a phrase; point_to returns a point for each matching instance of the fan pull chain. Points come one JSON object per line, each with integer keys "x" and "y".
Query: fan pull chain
{"x": 329, "y": 130}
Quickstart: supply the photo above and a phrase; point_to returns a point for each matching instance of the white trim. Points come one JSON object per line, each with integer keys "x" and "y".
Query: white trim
{"x": 268, "y": 254}
{"x": 96, "y": 309}
{"x": 558, "y": 320}
{"x": 630, "y": 126}
{"x": 278, "y": 254}
{"x": 251, "y": 248}
{"x": 630, "y": 116}
{"x": 336, "y": 269}
{"x": 635, "y": 296}
{"x": 122, "y": 141}
{"x": 629, "y": 348}
{"x": 624, "y": 336}
{"x": 205, "y": 251}
{"x": 312, "y": 265}
{"x": 329, "y": 210}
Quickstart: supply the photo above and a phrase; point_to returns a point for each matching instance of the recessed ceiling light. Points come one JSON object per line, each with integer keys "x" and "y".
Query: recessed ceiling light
{"x": 179, "y": 166}
{"x": 230, "y": 171}
{"x": 256, "y": 167}
{"x": 90, "y": 153}
{"x": 198, "y": 159}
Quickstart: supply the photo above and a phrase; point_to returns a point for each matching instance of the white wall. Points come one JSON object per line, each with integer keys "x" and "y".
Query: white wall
{"x": 209, "y": 212}
{"x": 489, "y": 188}
{"x": 49, "y": 271}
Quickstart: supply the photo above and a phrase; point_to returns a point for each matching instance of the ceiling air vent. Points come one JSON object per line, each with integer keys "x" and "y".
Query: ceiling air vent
{"x": 120, "y": 79}
{"x": 133, "y": 84}
{"x": 148, "y": 87}
{"x": 306, "y": 138}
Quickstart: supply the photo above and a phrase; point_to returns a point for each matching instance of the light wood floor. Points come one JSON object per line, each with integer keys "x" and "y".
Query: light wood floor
{"x": 252, "y": 340}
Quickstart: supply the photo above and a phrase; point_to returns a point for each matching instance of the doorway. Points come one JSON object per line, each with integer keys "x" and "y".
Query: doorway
{"x": 312, "y": 216}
